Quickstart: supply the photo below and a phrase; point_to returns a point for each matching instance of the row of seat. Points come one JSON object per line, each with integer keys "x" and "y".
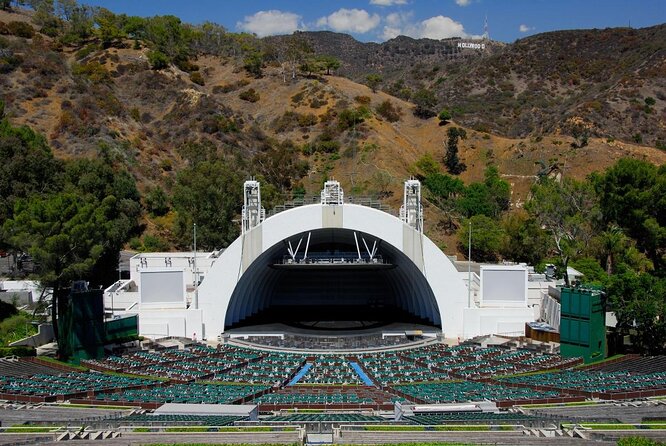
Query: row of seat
{"x": 203, "y": 420}
{"x": 325, "y": 418}
{"x": 66, "y": 383}
{"x": 302, "y": 394}
{"x": 186, "y": 393}
{"x": 331, "y": 370}
{"x": 274, "y": 368}
{"x": 469, "y": 417}
{"x": 595, "y": 381}
{"x": 453, "y": 392}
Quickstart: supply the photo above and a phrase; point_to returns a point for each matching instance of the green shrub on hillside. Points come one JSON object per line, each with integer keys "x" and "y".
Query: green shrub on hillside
{"x": 249, "y": 95}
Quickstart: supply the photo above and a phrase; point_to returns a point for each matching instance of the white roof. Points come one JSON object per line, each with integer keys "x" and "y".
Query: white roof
{"x": 205, "y": 409}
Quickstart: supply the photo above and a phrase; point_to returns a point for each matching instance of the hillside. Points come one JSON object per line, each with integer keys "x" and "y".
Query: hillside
{"x": 565, "y": 81}
{"x": 88, "y": 99}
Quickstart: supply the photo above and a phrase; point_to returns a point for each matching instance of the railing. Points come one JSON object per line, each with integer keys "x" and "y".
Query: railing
{"x": 333, "y": 260}
{"x": 368, "y": 201}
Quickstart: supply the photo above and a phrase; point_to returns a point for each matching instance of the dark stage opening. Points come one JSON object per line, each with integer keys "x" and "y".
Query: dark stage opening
{"x": 345, "y": 281}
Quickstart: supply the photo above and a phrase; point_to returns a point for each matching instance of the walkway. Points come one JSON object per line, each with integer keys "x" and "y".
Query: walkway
{"x": 301, "y": 373}
{"x": 366, "y": 380}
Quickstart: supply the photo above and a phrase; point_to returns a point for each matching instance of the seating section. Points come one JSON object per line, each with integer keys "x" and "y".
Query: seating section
{"x": 200, "y": 420}
{"x": 302, "y": 395}
{"x": 232, "y": 373}
{"x": 634, "y": 364}
{"x": 392, "y": 367}
{"x": 198, "y": 362}
{"x": 454, "y": 392}
{"x": 67, "y": 383}
{"x": 595, "y": 381}
{"x": 331, "y": 370}
{"x": 326, "y": 418}
{"x": 185, "y": 393}
{"x": 22, "y": 367}
{"x": 471, "y": 418}
{"x": 469, "y": 362}
{"x": 274, "y": 368}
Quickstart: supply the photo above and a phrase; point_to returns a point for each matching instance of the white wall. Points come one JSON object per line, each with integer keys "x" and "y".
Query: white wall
{"x": 507, "y": 321}
{"x": 162, "y": 323}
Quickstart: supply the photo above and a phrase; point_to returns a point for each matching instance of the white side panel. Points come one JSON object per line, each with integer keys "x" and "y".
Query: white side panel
{"x": 163, "y": 288}
{"x": 503, "y": 286}
{"x": 187, "y": 323}
{"x": 503, "y": 321}
{"x": 449, "y": 289}
{"x": 218, "y": 286}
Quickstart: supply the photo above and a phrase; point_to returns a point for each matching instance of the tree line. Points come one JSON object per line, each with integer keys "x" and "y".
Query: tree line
{"x": 610, "y": 226}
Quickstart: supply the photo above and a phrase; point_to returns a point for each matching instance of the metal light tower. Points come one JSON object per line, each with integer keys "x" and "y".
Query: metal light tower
{"x": 332, "y": 194}
{"x": 253, "y": 213}
{"x": 411, "y": 211}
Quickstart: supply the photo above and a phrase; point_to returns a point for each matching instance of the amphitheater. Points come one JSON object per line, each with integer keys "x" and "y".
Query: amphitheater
{"x": 328, "y": 323}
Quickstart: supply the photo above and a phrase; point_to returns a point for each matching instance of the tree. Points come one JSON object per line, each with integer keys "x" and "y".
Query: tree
{"x": 426, "y": 166}
{"x": 280, "y": 165}
{"x": 425, "y": 101}
{"x": 69, "y": 234}
{"x": 444, "y": 186}
{"x": 298, "y": 50}
{"x": 453, "y": 164}
{"x": 157, "y": 201}
{"x": 254, "y": 63}
{"x": 632, "y": 195}
{"x": 311, "y": 65}
{"x": 348, "y": 118}
{"x": 444, "y": 191}
{"x": 158, "y": 60}
{"x": 524, "y": 240}
{"x": 389, "y": 111}
{"x": 639, "y": 304}
{"x": 498, "y": 190}
{"x": 27, "y": 166}
{"x": 593, "y": 273}
{"x": 444, "y": 116}
{"x": 209, "y": 194}
{"x": 487, "y": 238}
{"x": 109, "y": 28}
{"x": 373, "y": 80}
{"x": 476, "y": 200}
{"x": 329, "y": 63}
{"x": 569, "y": 212}
{"x": 5, "y": 4}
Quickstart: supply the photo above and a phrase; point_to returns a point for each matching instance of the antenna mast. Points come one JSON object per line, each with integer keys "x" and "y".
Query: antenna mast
{"x": 486, "y": 35}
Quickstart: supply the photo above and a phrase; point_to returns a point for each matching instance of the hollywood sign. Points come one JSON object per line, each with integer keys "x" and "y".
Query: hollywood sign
{"x": 473, "y": 46}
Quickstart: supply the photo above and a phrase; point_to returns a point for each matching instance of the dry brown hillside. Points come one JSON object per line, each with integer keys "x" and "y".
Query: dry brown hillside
{"x": 83, "y": 97}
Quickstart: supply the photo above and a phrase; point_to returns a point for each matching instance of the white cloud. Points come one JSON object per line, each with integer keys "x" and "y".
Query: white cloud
{"x": 440, "y": 27}
{"x": 388, "y": 2}
{"x": 350, "y": 20}
{"x": 268, "y": 23}
{"x": 524, "y": 28}
{"x": 398, "y": 18}
{"x": 463, "y": 2}
{"x": 390, "y": 32}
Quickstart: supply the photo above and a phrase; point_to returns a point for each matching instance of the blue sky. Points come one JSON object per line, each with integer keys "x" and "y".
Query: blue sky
{"x": 379, "y": 20}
